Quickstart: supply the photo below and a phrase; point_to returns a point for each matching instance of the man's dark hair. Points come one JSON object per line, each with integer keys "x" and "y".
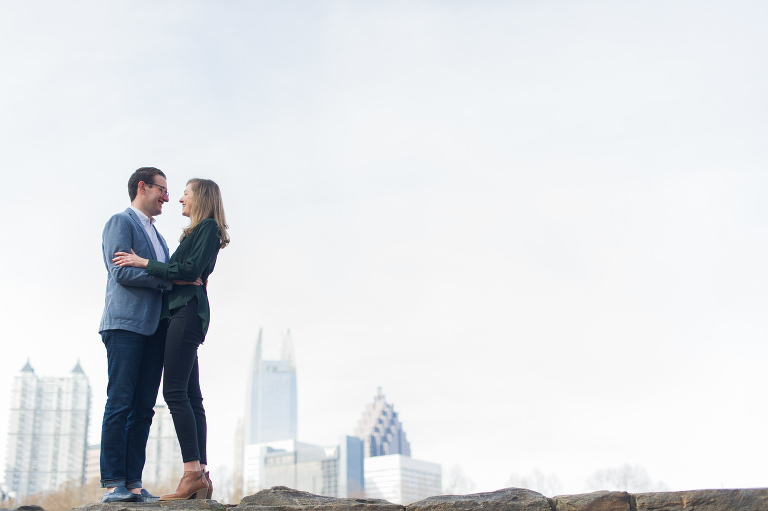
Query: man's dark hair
{"x": 145, "y": 174}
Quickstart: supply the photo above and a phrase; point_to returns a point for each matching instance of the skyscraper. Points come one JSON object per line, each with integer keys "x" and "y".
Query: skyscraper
{"x": 271, "y": 408}
{"x": 380, "y": 429}
{"x": 390, "y": 472}
{"x": 48, "y": 431}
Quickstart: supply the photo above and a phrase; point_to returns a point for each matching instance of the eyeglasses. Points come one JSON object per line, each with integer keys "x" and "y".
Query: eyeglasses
{"x": 163, "y": 189}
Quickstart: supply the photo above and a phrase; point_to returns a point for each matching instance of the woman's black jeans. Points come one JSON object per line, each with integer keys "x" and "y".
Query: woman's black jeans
{"x": 181, "y": 381}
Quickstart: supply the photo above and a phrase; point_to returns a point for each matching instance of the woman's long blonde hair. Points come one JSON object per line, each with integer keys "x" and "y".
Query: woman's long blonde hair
{"x": 207, "y": 203}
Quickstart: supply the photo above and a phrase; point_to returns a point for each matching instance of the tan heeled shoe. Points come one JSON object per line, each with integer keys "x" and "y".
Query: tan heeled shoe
{"x": 193, "y": 485}
{"x": 209, "y": 496}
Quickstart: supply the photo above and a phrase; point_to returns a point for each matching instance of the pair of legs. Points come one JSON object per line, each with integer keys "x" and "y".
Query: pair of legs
{"x": 134, "y": 365}
{"x": 181, "y": 384}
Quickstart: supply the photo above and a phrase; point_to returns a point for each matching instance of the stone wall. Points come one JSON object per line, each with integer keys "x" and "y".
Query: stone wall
{"x": 281, "y": 498}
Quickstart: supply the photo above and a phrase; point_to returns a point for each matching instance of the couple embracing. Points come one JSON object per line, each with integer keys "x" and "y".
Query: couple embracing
{"x": 155, "y": 317}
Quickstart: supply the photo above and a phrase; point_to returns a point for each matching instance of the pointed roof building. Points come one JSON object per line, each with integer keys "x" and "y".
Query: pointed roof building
{"x": 381, "y": 431}
{"x": 77, "y": 369}
{"x": 271, "y": 406}
{"x": 47, "y": 431}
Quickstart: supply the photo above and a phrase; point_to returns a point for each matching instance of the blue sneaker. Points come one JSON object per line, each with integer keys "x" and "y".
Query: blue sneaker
{"x": 121, "y": 494}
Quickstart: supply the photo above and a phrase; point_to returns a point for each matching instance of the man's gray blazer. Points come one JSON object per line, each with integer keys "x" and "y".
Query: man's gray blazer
{"x": 134, "y": 297}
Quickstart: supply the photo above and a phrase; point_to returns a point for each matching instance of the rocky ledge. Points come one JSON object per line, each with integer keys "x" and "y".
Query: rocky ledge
{"x": 281, "y": 498}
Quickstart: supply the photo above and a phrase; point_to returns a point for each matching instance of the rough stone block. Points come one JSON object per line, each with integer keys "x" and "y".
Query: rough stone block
{"x": 704, "y": 500}
{"x": 508, "y": 499}
{"x": 171, "y": 505}
{"x": 281, "y": 498}
{"x": 597, "y": 501}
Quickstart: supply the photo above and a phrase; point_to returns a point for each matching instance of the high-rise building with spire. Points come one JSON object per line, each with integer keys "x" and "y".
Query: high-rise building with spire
{"x": 381, "y": 430}
{"x": 390, "y": 472}
{"x": 271, "y": 407}
{"x": 48, "y": 431}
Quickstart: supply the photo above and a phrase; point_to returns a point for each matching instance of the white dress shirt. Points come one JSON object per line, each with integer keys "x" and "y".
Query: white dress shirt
{"x": 152, "y": 233}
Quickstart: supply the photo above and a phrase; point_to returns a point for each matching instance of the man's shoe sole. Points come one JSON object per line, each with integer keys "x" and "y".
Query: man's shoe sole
{"x": 125, "y": 499}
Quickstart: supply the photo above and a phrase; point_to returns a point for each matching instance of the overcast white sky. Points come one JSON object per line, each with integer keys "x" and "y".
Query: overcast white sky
{"x": 538, "y": 226}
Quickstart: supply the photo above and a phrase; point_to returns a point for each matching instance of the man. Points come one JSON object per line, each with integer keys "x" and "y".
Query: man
{"x": 134, "y": 337}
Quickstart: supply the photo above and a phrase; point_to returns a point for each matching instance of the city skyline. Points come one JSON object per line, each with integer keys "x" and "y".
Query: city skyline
{"x": 547, "y": 217}
{"x": 374, "y": 463}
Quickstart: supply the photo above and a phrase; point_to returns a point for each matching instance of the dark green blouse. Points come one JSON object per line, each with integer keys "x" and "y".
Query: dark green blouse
{"x": 195, "y": 257}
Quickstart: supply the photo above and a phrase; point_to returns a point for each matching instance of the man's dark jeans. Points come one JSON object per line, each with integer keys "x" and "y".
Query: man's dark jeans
{"x": 135, "y": 365}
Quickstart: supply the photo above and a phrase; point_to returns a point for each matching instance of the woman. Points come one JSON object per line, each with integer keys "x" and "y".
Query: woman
{"x": 186, "y": 307}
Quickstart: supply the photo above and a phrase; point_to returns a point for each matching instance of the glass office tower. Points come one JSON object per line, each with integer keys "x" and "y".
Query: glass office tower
{"x": 271, "y": 407}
